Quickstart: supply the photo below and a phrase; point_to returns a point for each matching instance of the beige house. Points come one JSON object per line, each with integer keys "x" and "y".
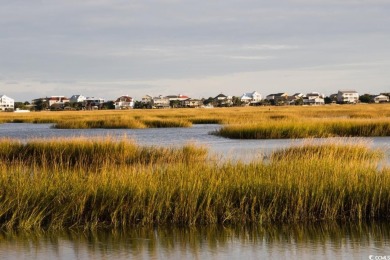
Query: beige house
{"x": 193, "y": 103}
{"x": 278, "y": 98}
{"x": 160, "y": 102}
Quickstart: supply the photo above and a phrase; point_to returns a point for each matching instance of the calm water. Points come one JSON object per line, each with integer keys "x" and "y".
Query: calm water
{"x": 316, "y": 241}
{"x": 309, "y": 241}
{"x": 198, "y": 134}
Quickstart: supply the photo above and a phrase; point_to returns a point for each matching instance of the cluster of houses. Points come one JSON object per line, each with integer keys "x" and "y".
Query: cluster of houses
{"x": 80, "y": 102}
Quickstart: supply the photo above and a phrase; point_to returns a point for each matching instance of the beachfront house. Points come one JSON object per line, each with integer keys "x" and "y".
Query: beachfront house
{"x": 296, "y": 99}
{"x": 57, "y": 102}
{"x": 160, "y": 102}
{"x": 347, "y": 97}
{"x": 192, "y": 103}
{"x": 92, "y": 103}
{"x": 6, "y": 103}
{"x": 278, "y": 98}
{"x": 52, "y": 102}
{"x": 251, "y": 98}
{"x": 223, "y": 101}
{"x": 314, "y": 98}
{"x": 147, "y": 99}
{"x": 77, "y": 99}
{"x": 379, "y": 98}
{"x": 124, "y": 102}
{"x": 176, "y": 100}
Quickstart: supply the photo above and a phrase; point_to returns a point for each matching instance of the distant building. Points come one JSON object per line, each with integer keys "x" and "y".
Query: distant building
{"x": 347, "y": 97}
{"x": 251, "y": 98}
{"x": 223, "y": 101}
{"x": 57, "y": 100}
{"x": 278, "y": 98}
{"x": 6, "y": 103}
{"x": 124, "y": 102}
{"x": 91, "y": 103}
{"x": 192, "y": 103}
{"x": 296, "y": 99}
{"x": 314, "y": 98}
{"x": 146, "y": 99}
{"x": 379, "y": 98}
{"x": 160, "y": 102}
{"x": 77, "y": 99}
{"x": 177, "y": 98}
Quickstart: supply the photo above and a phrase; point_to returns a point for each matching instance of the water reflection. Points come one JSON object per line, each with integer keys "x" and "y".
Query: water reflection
{"x": 303, "y": 241}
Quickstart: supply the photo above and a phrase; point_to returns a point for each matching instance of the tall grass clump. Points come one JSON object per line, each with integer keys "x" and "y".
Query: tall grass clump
{"x": 86, "y": 154}
{"x": 159, "y": 123}
{"x": 107, "y": 124}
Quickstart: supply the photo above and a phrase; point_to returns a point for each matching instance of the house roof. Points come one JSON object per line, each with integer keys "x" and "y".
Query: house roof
{"x": 348, "y": 91}
{"x": 221, "y": 95}
{"x": 124, "y": 98}
{"x": 278, "y": 94}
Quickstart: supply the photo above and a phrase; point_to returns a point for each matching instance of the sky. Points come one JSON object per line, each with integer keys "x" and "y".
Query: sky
{"x": 109, "y": 48}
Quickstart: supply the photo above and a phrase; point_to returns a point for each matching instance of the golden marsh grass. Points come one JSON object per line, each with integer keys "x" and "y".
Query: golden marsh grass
{"x": 84, "y": 183}
{"x": 246, "y": 122}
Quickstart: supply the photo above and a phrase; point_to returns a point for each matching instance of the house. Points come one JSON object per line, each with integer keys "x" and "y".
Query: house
{"x": 53, "y": 102}
{"x": 347, "y": 97}
{"x": 124, "y": 102}
{"x": 177, "y": 98}
{"x": 146, "y": 99}
{"x": 92, "y": 103}
{"x": 223, "y": 101}
{"x": 6, "y": 103}
{"x": 176, "y": 101}
{"x": 251, "y": 98}
{"x": 77, "y": 99}
{"x": 278, "y": 98}
{"x": 160, "y": 102}
{"x": 57, "y": 101}
{"x": 379, "y": 98}
{"x": 314, "y": 98}
{"x": 193, "y": 103}
{"x": 296, "y": 99}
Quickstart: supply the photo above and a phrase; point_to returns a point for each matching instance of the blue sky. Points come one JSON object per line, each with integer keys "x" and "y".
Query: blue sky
{"x": 108, "y": 48}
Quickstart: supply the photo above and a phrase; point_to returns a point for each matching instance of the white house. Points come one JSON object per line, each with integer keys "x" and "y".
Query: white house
{"x": 380, "y": 98}
{"x": 77, "y": 99}
{"x": 124, "y": 102}
{"x": 348, "y": 96}
{"x": 251, "y": 98}
{"x": 314, "y": 98}
{"x": 6, "y": 103}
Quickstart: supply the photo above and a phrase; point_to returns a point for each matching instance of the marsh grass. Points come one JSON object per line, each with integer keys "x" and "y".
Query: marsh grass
{"x": 306, "y": 129}
{"x": 115, "y": 183}
{"x": 164, "y": 123}
{"x": 245, "y": 123}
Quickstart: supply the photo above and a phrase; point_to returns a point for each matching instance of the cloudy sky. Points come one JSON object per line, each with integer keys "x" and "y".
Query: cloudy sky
{"x": 108, "y": 48}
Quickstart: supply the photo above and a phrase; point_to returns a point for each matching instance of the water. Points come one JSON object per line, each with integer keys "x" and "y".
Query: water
{"x": 315, "y": 241}
{"x": 199, "y": 134}
{"x": 305, "y": 241}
